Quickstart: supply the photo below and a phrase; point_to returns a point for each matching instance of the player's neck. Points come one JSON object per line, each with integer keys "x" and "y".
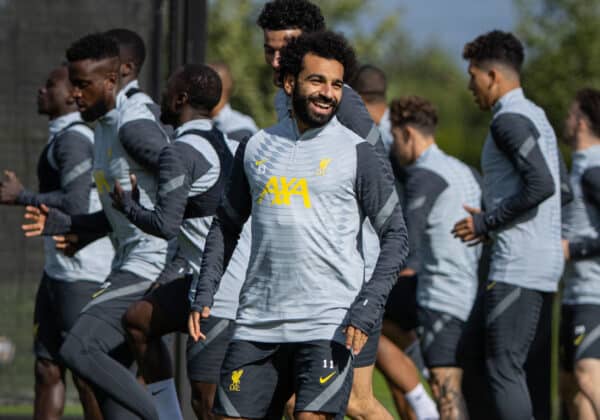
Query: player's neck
{"x": 189, "y": 114}
{"x": 585, "y": 141}
{"x": 377, "y": 110}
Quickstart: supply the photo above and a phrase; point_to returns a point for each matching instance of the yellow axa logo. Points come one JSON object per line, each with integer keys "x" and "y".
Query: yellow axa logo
{"x": 325, "y": 379}
{"x": 101, "y": 183}
{"x": 323, "y": 164}
{"x": 236, "y": 376}
{"x": 281, "y": 190}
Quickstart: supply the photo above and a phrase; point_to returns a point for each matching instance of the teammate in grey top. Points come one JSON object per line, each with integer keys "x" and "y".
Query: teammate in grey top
{"x": 234, "y": 124}
{"x": 400, "y": 369}
{"x": 282, "y": 20}
{"x": 580, "y": 320}
{"x": 128, "y": 138}
{"x": 193, "y": 171}
{"x": 437, "y": 186}
{"x": 522, "y": 200}
{"x": 304, "y": 180}
{"x": 65, "y": 181}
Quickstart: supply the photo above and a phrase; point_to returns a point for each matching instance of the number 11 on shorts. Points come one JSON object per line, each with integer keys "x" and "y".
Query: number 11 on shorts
{"x": 327, "y": 364}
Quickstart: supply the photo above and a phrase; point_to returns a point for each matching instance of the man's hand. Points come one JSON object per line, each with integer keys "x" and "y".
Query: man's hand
{"x": 355, "y": 339}
{"x": 10, "y": 188}
{"x": 38, "y": 218}
{"x": 67, "y": 244}
{"x": 194, "y": 323}
{"x": 565, "y": 247}
{"x": 121, "y": 198}
{"x": 465, "y": 228}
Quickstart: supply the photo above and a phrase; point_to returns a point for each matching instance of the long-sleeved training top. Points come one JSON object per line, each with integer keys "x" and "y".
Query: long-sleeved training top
{"x": 234, "y": 124}
{"x": 522, "y": 195}
{"x": 437, "y": 186}
{"x": 128, "y": 140}
{"x": 192, "y": 176}
{"x": 308, "y": 195}
{"x": 353, "y": 114}
{"x": 581, "y": 226}
{"x": 65, "y": 182}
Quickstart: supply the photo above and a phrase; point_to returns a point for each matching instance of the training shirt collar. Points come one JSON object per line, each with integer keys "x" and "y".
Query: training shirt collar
{"x": 122, "y": 95}
{"x": 58, "y": 124}
{"x": 507, "y": 98}
{"x": 204, "y": 124}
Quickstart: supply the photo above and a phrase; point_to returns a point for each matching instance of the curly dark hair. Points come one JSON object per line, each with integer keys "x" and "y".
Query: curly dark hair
{"x": 498, "y": 46}
{"x": 94, "y": 46}
{"x": 202, "y": 84}
{"x": 130, "y": 44}
{"x": 415, "y": 111}
{"x": 588, "y": 100}
{"x": 326, "y": 44}
{"x": 291, "y": 14}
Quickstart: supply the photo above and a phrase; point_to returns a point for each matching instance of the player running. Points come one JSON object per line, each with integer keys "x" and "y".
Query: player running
{"x": 65, "y": 182}
{"x": 193, "y": 172}
{"x": 436, "y": 188}
{"x": 307, "y": 181}
{"x": 580, "y": 320}
{"x": 520, "y": 164}
{"x": 128, "y": 138}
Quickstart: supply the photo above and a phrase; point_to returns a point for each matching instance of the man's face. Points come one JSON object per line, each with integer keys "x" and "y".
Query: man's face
{"x": 170, "y": 111}
{"x": 402, "y": 147}
{"x": 572, "y": 124}
{"x": 480, "y": 85}
{"x": 317, "y": 90}
{"x": 274, "y": 41}
{"x": 55, "y": 98}
{"x": 94, "y": 86}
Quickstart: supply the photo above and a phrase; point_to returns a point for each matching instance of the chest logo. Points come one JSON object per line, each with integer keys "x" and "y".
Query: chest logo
{"x": 101, "y": 183}
{"x": 281, "y": 191}
{"x": 260, "y": 166}
{"x": 323, "y": 164}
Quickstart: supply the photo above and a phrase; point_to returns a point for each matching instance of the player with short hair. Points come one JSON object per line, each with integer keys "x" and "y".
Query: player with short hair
{"x": 65, "y": 181}
{"x": 234, "y": 124}
{"x": 128, "y": 138}
{"x": 521, "y": 179}
{"x": 193, "y": 172}
{"x": 304, "y": 305}
{"x": 436, "y": 188}
{"x": 580, "y": 322}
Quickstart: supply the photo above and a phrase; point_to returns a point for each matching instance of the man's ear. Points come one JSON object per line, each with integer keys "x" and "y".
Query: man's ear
{"x": 112, "y": 78}
{"x": 182, "y": 99}
{"x": 127, "y": 69}
{"x": 289, "y": 82}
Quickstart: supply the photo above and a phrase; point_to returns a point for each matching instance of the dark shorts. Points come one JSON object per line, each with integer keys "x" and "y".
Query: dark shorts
{"x": 401, "y": 306}
{"x": 111, "y": 300}
{"x": 579, "y": 334}
{"x": 257, "y": 379}
{"x": 205, "y": 357}
{"x": 57, "y": 306}
{"x": 368, "y": 354}
{"x": 440, "y": 336}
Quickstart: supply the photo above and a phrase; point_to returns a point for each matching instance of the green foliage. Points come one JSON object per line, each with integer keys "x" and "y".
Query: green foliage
{"x": 563, "y": 40}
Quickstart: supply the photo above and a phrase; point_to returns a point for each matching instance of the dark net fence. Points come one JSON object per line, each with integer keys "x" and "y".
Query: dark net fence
{"x": 33, "y": 37}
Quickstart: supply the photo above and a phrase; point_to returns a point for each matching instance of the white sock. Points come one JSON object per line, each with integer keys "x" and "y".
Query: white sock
{"x": 165, "y": 399}
{"x": 422, "y": 404}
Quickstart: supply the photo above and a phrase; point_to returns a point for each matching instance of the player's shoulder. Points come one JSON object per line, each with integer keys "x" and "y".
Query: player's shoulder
{"x": 137, "y": 107}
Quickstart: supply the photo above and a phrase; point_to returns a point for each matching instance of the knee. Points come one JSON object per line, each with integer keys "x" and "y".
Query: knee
{"x": 135, "y": 323}
{"x": 584, "y": 378}
{"x": 359, "y": 406}
{"x": 73, "y": 352}
{"x": 47, "y": 372}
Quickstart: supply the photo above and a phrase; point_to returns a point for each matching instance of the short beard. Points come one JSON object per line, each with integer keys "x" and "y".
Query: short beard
{"x": 300, "y": 103}
{"x": 95, "y": 111}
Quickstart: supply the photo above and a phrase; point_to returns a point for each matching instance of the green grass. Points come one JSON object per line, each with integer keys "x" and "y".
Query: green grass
{"x": 27, "y": 410}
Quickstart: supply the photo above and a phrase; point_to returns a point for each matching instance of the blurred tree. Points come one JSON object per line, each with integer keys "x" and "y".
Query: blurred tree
{"x": 563, "y": 40}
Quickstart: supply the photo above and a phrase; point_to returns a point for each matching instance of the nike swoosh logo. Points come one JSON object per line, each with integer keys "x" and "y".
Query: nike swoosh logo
{"x": 155, "y": 393}
{"x": 323, "y": 380}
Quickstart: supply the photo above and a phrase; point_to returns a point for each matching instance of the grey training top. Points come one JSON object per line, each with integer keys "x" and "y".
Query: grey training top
{"x": 521, "y": 189}
{"x": 581, "y": 225}
{"x": 308, "y": 195}
{"x": 437, "y": 186}
{"x": 236, "y": 125}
